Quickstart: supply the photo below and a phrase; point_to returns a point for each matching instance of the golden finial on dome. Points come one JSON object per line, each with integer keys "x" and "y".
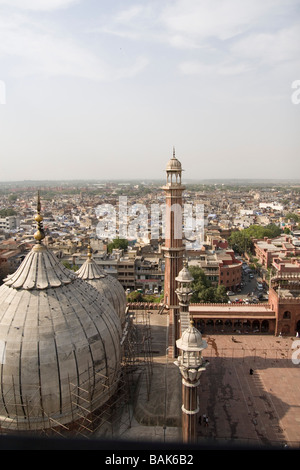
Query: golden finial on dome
{"x": 89, "y": 251}
{"x": 39, "y": 234}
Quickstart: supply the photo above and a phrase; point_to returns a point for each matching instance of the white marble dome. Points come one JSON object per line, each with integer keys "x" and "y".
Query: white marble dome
{"x": 106, "y": 284}
{"x": 174, "y": 164}
{"x": 191, "y": 340}
{"x": 58, "y": 335}
{"x": 184, "y": 276}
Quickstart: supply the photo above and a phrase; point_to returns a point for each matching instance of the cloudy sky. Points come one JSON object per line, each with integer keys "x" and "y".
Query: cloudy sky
{"x": 96, "y": 89}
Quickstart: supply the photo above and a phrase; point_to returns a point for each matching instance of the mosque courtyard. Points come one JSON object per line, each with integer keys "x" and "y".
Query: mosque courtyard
{"x": 259, "y": 409}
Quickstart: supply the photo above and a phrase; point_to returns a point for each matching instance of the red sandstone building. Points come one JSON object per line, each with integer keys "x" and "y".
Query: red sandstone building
{"x": 280, "y": 315}
{"x": 284, "y": 299}
{"x": 230, "y": 271}
{"x": 219, "y": 266}
{"x": 267, "y": 250}
{"x": 282, "y": 265}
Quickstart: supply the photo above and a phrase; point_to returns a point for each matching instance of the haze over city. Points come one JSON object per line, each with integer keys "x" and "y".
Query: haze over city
{"x": 98, "y": 89}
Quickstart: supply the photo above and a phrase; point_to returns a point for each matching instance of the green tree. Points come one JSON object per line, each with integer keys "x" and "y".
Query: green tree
{"x": 203, "y": 291}
{"x": 207, "y": 295}
{"x": 135, "y": 296}
{"x": 117, "y": 243}
{"x": 221, "y": 294}
{"x": 199, "y": 276}
{"x": 241, "y": 241}
{"x": 293, "y": 216}
{"x": 272, "y": 231}
{"x": 7, "y": 212}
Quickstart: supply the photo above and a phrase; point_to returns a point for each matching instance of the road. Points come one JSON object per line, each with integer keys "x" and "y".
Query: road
{"x": 249, "y": 287}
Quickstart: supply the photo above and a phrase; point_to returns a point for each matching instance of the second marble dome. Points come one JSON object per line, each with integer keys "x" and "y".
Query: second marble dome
{"x": 106, "y": 284}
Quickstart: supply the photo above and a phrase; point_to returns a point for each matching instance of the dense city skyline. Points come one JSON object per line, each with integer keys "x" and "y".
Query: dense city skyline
{"x": 104, "y": 90}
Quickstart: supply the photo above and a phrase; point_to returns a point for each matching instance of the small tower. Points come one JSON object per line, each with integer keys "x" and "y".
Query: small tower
{"x": 191, "y": 366}
{"x": 173, "y": 248}
{"x": 184, "y": 294}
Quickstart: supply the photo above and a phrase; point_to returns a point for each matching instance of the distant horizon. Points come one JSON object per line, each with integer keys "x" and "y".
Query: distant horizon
{"x": 153, "y": 180}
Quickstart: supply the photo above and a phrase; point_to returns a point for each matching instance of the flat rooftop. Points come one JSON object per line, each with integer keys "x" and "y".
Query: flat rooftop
{"x": 231, "y": 310}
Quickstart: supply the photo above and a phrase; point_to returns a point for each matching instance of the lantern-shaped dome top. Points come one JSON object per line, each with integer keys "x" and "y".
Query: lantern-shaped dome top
{"x": 184, "y": 275}
{"x": 174, "y": 164}
{"x": 191, "y": 340}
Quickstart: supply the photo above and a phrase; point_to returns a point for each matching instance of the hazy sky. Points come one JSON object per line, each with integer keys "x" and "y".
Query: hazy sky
{"x": 105, "y": 88}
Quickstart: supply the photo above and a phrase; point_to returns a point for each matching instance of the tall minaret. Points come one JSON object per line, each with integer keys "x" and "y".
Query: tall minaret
{"x": 173, "y": 248}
